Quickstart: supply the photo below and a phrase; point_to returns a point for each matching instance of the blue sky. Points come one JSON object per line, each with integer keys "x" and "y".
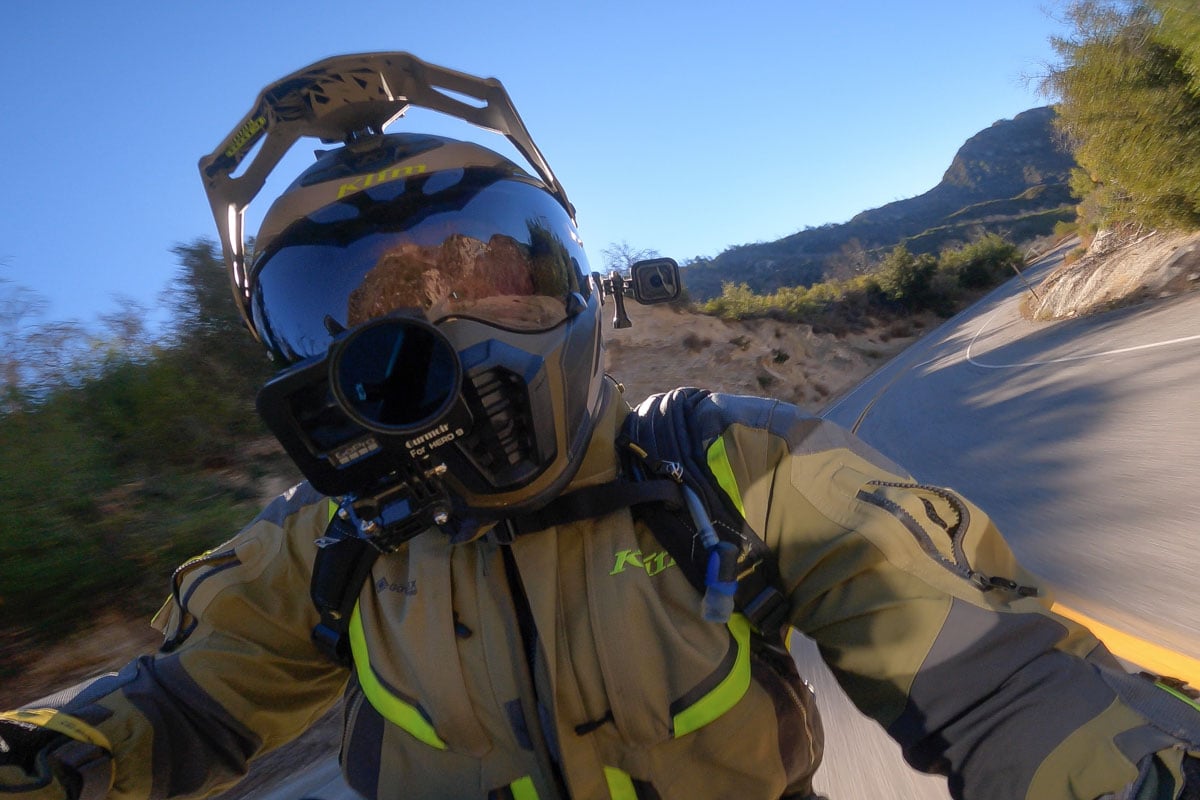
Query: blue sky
{"x": 685, "y": 127}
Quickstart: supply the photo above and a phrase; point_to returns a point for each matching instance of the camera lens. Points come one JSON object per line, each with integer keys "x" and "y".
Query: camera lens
{"x": 396, "y": 375}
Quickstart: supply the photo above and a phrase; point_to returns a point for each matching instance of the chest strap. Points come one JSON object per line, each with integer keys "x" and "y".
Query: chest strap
{"x": 751, "y": 582}
{"x": 343, "y": 563}
{"x": 588, "y": 503}
{"x": 344, "y": 559}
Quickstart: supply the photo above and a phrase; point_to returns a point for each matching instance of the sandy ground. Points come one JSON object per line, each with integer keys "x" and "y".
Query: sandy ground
{"x": 667, "y": 348}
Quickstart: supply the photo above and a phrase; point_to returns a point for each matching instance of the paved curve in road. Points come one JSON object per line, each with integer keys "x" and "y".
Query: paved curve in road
{"x": 1080, "y": 438}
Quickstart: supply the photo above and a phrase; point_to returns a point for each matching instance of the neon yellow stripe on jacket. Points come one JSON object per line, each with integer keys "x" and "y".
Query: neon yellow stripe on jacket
{"x": 523, "y": 789}
{"x": 718, "y": 462}
{"x": 620, "y": 785}
{"x": 733, "y": 686}
{"x": 728, "y": 692}
{"x": 392, "y": 708}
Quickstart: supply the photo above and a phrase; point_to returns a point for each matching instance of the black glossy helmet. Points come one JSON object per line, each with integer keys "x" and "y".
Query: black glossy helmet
{"x": 446, "y": 235}
{"x": 445, "y": 228}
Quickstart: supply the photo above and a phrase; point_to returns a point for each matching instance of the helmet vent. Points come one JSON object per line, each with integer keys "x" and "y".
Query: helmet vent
{"x": 503, "y": 444}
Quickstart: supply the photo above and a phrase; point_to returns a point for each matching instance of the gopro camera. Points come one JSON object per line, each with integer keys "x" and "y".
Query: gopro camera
{"x": 366, "y": 421}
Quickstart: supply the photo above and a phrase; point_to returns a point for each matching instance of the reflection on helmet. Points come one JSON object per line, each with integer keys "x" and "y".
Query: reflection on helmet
{"x": 500, "y": 280}
{"x": 485, "y": 241}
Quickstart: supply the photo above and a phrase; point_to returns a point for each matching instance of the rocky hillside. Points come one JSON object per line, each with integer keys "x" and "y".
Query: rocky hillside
{"x": 1120, "y": 269}
{"x": 1010, "y": 178}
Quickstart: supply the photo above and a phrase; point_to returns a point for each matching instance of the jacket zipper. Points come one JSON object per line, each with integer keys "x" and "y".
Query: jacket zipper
{"x": 959, "y": 565}
{"x": 216, "y": 561}
{"x": 351, "y": 721}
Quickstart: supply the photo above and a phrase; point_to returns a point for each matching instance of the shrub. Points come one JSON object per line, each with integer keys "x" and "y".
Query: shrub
{"x": 1064, "y": 228}
{"x": 904, "y": 284}
{"x": 986, "y": 262}
{"x": 107, "y": 481}
{"x": 907, "y": 280}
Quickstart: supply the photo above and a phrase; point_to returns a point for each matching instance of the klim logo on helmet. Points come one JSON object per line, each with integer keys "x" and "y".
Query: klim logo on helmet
{"x": 376, "y": 178}
{"x": 244, "y": 135}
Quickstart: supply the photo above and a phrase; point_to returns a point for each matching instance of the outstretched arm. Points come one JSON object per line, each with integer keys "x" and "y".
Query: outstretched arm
{"x": 238, "y": 674}
{"x": 934, "y": 630}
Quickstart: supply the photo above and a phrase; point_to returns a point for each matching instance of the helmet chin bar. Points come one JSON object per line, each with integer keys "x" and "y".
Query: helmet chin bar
{"x": 507, "y": 387}
{"x": 411, "y": 434}
{"x": 341, "y": 99}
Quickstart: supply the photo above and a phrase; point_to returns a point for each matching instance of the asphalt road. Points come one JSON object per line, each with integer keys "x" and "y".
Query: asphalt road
{"x": 1080, "y": 438}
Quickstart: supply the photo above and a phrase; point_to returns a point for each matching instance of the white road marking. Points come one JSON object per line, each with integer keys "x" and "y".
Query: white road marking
{"x": 1117, "y": 351}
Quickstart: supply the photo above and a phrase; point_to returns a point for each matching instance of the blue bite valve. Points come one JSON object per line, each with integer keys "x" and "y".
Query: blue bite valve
{"x": 720, "y": 582}
{"x": 720, "y": 574}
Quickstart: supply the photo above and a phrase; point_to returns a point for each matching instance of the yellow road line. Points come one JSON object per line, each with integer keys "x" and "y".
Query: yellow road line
{"x": 1147, "y": 655}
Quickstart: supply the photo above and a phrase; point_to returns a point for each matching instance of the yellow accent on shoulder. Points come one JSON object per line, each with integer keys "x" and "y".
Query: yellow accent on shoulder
{"x": 718, "y": 462}
{"x": 54, "y": 720}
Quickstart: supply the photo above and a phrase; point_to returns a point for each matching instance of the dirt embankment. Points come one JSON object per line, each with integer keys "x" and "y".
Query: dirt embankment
{"x": 667, "y": 348}
{"x": 1120, "y": 270}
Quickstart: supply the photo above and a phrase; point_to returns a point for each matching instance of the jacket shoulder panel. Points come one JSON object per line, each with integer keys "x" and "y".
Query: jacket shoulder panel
{"x": 280, "y": 539}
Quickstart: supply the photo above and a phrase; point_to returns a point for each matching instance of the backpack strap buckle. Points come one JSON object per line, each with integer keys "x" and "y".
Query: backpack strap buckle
{"x": 767, "y": 612}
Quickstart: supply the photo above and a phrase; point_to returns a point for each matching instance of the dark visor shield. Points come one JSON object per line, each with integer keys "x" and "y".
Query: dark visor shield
{"x": 469, "y": 243}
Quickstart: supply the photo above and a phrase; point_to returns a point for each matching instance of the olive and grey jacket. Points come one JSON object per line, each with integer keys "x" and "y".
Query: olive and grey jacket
{"x": 574, "y": 662}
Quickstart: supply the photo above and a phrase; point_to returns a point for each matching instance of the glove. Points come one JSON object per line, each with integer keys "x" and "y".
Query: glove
{"x": 48, "y": 755}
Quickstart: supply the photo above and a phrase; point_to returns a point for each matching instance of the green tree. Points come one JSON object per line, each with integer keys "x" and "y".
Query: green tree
{"x": 1180, "y": 29}
{"x": 985, "y": 262}
{"x": 35, "y": 354}
{"x": 906, "y": 279}
{"x": 209, "y": 341}
{"x": 1128, "y": 105}
{"x": 131, "y": 456}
